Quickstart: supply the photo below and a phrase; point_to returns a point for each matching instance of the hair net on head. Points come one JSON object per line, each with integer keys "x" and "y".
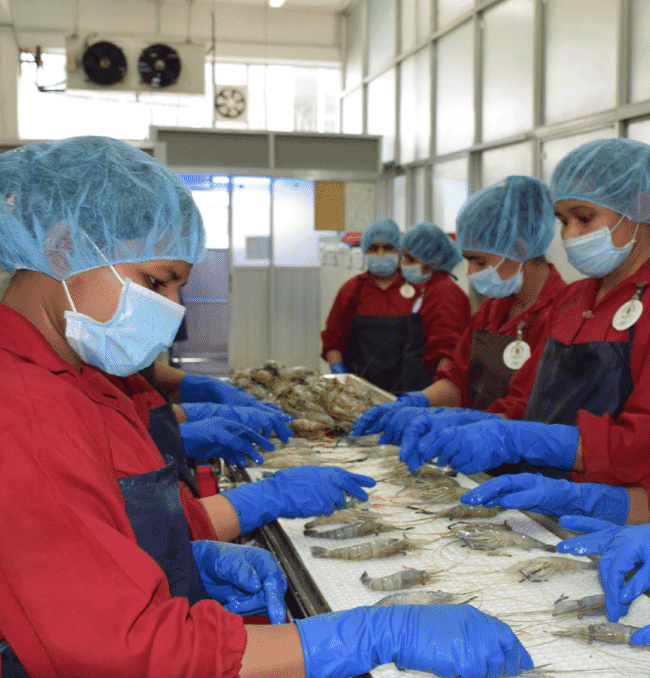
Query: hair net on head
{"x": 513, "y": 218}
{"x": 431, "y": 245}
{"x": 612, "y": 173}
{"x": 385, "y": 230}
{"x": 85, "y": 202}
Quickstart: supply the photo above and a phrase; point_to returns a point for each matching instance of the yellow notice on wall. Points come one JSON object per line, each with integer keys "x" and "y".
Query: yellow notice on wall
{"x": 329, "y": 205}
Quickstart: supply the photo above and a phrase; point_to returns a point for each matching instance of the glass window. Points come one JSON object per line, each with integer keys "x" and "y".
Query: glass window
{"x": 419, "y": 195}
{"x": 213, "y": 201}
{"x": 508, "y": 69}
{"x": 640, "y": 50}
{"x": 409, "y": 19}
{"x": 423, "y": 24}
{"x": 415, "y": 107}
{"x": 251, "y": 221}
{"x": 352, "y": 122}
{"x": 381, "y": 112}
{"x": 499, "y": 163}
{"x": 580, "y": 58}
{"x": 455, "y": 95}
{"x": 354, "y": 44}
{"x": 450, "y": 9}
{"x": 554, "y": 151}
{"x": 640, "y": 131}
{"x": 450, "y": 191}
{"x": 280, "y": 95}
{"x": 400, "y": 202}
{"x": 381, "y": 34}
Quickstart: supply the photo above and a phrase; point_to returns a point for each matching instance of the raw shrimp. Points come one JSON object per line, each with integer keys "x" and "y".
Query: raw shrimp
{"x": 474, "y": 528}
{"x": 357, "y": 529}
{"x": 404, "y": 579}
{"x": 540, "y": 569}
{"x": 461, "y": 511}
{"x": 580, "y": 606}
{"x": 419, "y": 598}
{"x": 606, "y": 632}
{"x": 489, "y": 540}
{"x": 342, "y": 516}
{"x": 379, "y": 548}
{"x": 440, "y": 494}
{"x": 308, "y": 427}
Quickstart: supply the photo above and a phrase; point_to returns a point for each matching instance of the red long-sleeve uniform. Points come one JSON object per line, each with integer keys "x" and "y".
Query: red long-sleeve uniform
{"x": 492, "y": 315}
{"x": 445, "y": 313}
{"x": 78, "y": 596}
{"x": 614, "y": 451}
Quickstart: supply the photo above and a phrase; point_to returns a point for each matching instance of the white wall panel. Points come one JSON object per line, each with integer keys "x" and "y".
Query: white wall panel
{"x": 381, "y": 34}
{"x": 381, "y": 112}
{"x": 355, "y": 42}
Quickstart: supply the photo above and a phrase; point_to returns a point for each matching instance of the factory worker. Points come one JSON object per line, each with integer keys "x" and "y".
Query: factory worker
{"x": 587, "y": 414}
{"x": 369, "y": 323}
{"x": 504, "y": 231}
{"x": 624, "y": 566}
{"x": 108, "y": 565}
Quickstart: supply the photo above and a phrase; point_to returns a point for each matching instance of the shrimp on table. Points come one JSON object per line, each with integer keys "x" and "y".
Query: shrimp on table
{"x": 356, "y": 529}
{"x": 420, "y": 598}
{"x": 580, "y": 606}
{"x": 540, "y": 569}
{"x": 346, "y": 515}
{"x": 490, "y": 540}
{"x": 461, "y": 511}
{"x": 404, "y": 579}
{"x": 475, "y": 528}
{"x": 378, "y": 548}
{"x": 606, "y": 632}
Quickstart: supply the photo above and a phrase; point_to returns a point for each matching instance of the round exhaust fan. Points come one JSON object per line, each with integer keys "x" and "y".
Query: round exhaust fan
{"x": 159, "y": 66}
{"x": 230, "y": 103}
{"x": 104, "y": 63}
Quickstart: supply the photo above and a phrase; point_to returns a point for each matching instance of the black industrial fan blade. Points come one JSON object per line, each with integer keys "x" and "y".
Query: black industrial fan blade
{"x": 159, "y": 66}
{"x": 104, "y": 63}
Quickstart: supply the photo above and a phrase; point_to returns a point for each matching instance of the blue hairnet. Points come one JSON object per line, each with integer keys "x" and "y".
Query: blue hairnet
{"x": 612, "y": 173}
{"x": 81, "y": 203}
{"x": 431, "y": 245}
{"x": 385, "y": 230}
{"x": 513, "y": 218}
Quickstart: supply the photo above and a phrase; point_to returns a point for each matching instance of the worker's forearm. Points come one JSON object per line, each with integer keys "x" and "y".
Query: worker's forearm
{"x": 223, "y": 517}
{"x": 639, "y": 511}
{"x": 168, "y": 379}
{"x": 273, "y": 652}
{"x": 333, "y": 356}
{"x": 443, "y": 393}
{"x": 577, "y": 464}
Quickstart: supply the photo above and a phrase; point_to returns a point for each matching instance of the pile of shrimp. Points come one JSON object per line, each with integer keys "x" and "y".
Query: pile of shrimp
{"x": 318, "y": 405}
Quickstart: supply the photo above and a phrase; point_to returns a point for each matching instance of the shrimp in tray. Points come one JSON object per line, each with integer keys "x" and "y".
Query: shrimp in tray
{"x": 378, "y": 548}
{"x": 461, "y": 512}
{"x": 580, "y": 607}
{"x": 404, "y": 579}
{"x": 540, "y": 569}
{"x": 492, "y": 540}
{"x": 605, "y": 632}
{"x": 357, "y": 529}
{"x": 422, "y": 598}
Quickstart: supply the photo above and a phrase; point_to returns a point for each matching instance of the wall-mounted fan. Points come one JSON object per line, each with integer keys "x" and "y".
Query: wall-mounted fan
{"x": 104, "y": 63}
{"x": 230, "y": 103}
{"x": 159, "y": 65}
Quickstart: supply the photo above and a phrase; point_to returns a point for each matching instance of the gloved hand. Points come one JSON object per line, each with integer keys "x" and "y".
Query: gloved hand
{"x": 296, "y": 493}
{"x": 338, "y": 368}
{"x": 219, "y": 437}
{"x": 641, "y": 637}
{"x": 448, "y": 640}
{"x": 487, "y": 444}
{"x": 244, "y": 579}
{"x": 259, "y": 419}
{"x": 623, "y": 549}
{"x": 197, "y": 388}
{"x": 374, "y": 419}
{"x": 538, "y": 493}
{"x": 397, "y": 424}
{"x": 426, "y": 428}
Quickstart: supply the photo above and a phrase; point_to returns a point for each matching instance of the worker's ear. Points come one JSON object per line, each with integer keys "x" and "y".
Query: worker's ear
{"x": 62, "y": 248}
{"x": 640, "y": 207}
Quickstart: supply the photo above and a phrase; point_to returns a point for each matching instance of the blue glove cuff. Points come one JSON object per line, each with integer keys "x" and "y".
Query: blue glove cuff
{"x": 414, "y": 399}
{"x": 613, "y": 505}
{"x": 338, "y": 368}
{"x": 254, "y": 505}
{"x": 553, "y": 445}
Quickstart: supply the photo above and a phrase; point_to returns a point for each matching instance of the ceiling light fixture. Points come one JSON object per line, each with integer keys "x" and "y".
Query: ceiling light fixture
{"x": 276, "y": 3}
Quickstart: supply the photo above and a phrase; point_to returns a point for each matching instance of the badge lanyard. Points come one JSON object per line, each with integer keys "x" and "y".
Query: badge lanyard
{"x": 517, "y": 352}
{"x": 630, "y": 311}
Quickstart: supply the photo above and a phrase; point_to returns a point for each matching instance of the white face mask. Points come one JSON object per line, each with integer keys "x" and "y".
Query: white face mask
{"x": 413, "y": 273}
{"x": 143, "y": 326}
{"x": 489, "y": 283}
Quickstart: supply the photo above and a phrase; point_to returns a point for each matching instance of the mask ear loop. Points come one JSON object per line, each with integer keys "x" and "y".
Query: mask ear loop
{"x": 67, "y": 291}
{"x": 521, "y": 263}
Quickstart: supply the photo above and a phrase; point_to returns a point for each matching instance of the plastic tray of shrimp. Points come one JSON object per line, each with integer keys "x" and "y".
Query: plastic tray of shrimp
{"x": 413, "y": 542}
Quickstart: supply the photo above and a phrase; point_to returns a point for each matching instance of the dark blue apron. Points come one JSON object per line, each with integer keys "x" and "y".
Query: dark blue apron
{"x": 153, "y": 505}
{"x": 593, "y": 376}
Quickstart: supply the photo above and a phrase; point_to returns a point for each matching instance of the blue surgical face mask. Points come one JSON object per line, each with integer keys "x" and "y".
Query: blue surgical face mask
{"x": 594, "y": 254}
{"x": 413, "y": 273}
{"x": 382, "y": 265}
{"x": 144, "y": 324}
{"x": 489, "y": 283}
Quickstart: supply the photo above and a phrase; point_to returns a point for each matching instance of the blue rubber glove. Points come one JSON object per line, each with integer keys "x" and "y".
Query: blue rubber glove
{"x": 374, "y": 419}
{"x": 297, "y": 493}
{"x": 257, "y": 418}
{"x": 244, "y": 579}
{"x": 448, "y": 640}
{"x": 487, "y": 444}
{"x": 219, "y": 437}
{"x": 623, "y": 549}
{"x": 397, "y": 424}
{"x": 535, "y": 492}
{"x": 197, "y": 388}
{"x": 641, "y": 637}
{"x": 427, "y": 427}
{"x": 338, "y": 368}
